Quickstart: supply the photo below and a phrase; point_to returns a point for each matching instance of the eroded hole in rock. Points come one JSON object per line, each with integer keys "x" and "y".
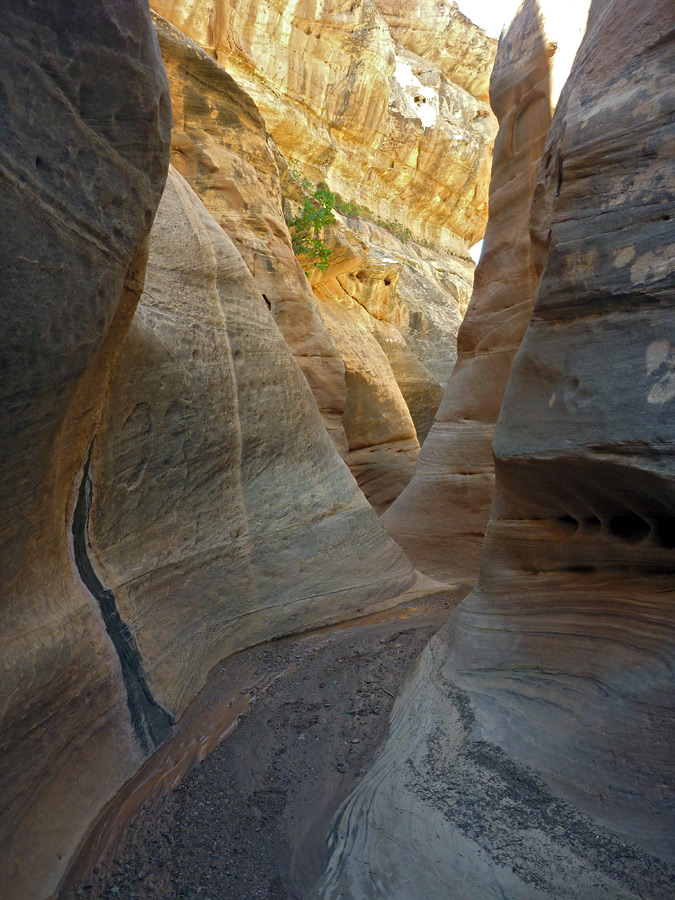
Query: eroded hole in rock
{"x": 267, "y": 302}
{"x": 664, "y": 531}
{"x": 629, "y": 527}
{"x": 569, "y": 524}
{"x": 387, "y": 281}
{"x": 559, "y": 169}
{"x": 592, "y": 523}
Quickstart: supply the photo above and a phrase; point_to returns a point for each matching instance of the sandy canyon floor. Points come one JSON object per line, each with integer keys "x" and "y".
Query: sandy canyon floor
{"x": 251, "y": 819}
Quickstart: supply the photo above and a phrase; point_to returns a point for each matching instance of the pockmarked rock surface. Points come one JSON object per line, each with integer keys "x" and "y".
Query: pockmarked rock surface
{"x": 221, "y": 514}
{"x": 531, "y": 752}
{"x": 440, "y": 518}
{"x": 220, "y": 145}
{"x": 348, "y": 104}
{"x": 84, "y": 144}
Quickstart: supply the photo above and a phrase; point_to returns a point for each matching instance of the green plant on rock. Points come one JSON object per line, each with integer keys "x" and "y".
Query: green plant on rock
{"x": 316, "y": 213}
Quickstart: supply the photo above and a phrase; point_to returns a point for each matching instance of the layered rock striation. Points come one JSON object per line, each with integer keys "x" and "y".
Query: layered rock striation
{"x": 531, "y": 752}
{"x": 393, "y": 313}
{"x": 220, "y": 145}
{"x": 169, "y": 493}
{"x": 380, "y": 345}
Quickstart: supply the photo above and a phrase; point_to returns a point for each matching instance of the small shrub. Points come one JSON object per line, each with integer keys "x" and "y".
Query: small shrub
{"x": 316, "y": 213}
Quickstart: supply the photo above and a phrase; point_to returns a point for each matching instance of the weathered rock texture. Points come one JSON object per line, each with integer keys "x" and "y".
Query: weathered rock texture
{"x": 221, "y": 514}
{"x": 440, "y": 518}
{"x": 84, "y": 142}
{"x": 438, "y": 32}
{"x": 221, "y": 147}
{"x": 348, "y": 104}
{"x": 168, "y": 491}
{"x": 531, "y": 754}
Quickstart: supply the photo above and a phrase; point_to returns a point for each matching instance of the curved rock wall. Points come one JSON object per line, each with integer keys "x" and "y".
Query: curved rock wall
{"x": 441, "y": 516}
{"x": 396, "y": 335}
{"x": 84, "y": 143}
{"x": 531, "y": 752}
{"x": 169, "y": 494}
{"x": 221, "y": 514}
{"x": 393, "y": 310}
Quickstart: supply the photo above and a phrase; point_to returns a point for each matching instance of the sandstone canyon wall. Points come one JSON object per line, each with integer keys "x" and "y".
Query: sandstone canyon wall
{"x": 344, "y": 100}
{"x": 169, "y": 491}
{"x": 347, "y": 100}
{"x": 83, "y": 163}
{"x": 441, "y": 516}
{"x": 221, "y": 514}
{"x": 531, "y": 750}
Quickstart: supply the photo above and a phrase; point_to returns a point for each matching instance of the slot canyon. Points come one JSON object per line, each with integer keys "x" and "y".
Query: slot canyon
{"x": 335, "y": 565}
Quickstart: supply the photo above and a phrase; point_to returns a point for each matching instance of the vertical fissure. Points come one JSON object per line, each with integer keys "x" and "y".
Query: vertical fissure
{"x": 151, "y": 723}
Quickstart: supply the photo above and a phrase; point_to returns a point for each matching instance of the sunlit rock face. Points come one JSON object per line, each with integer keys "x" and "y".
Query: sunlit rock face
{"x": 219, "y": 143}
{"x": 531, "y": 751}
{"x": 437, "y": 31}
{"x": 84, "y": 138}
{"x": 221, "y": 513}
{"x": 440, "y": 518}
{"x": 329, "y": 80}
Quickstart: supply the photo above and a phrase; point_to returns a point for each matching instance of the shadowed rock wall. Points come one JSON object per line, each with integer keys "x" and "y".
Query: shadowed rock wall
{"x": 168, "y": 491}
{"x": 84, "y": 143}
{"x": 441, "y": 516}
{"x": 531, "y": 752}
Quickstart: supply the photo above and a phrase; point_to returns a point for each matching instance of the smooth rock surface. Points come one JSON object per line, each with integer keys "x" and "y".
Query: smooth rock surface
{"x": 221, "y": 513}
{"x": 440, "y": 518}
{"x": 531, "y": 753}
{"x": 220, "y": 145}
{"x": 84, "y": 143}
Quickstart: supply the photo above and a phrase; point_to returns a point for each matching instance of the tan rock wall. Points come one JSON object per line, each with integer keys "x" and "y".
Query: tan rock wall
{"x": 84, "y": 142}
{"x": 531, "y": 752}
{"x": 344, "y": 103}
{"x": 440, "y": 33}
{"x": 393, "y": 309}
